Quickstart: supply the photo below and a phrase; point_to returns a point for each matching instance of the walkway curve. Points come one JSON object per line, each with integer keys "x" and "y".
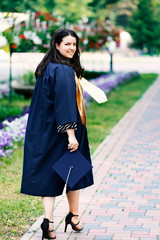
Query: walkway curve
{"x": 124, "y": 202}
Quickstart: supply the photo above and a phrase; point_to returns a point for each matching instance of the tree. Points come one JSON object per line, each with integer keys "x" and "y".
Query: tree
{"x": 72, "y": 11}
{"x": 144, "y": 26}
{"x": 122, "y": 11}
{"x": 23, "y": 6}
{"x": 101, "y": 8}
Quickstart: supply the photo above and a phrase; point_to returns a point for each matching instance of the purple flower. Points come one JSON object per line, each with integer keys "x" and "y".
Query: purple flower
{"x": 108, "y": 82}
{"x": 2, "y": 154}
{"x": 8, "y": 151}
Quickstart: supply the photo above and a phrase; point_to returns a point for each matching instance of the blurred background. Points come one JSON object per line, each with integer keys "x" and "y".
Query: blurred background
{"x": 120, "y": 51}
{"x": 129, "y": 29}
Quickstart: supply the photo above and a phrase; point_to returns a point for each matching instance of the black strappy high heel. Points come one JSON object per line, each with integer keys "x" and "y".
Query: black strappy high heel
{"x": 68, "y": 221}
{"x": 45, "y": 231}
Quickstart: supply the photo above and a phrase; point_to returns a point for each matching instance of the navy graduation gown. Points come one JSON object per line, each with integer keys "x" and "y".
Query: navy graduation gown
{"x": 53, "y": 104}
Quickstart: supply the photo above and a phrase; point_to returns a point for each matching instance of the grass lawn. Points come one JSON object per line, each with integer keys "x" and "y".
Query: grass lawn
{"x": 17, "y": 211}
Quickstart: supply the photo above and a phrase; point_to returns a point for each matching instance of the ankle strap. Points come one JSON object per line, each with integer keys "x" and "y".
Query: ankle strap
{"x": 75, "y": 215}
{"x": 72, "y": 215}
{"x": 48, "y": 220}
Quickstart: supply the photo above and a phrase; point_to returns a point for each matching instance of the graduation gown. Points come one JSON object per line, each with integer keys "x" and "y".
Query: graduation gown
{"x": 53, "y": 104}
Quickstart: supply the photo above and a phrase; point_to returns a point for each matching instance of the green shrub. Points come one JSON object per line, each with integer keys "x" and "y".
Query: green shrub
{"x": 13, "y": 109}
{"x": 91, "y": 74}
{"x": 29, "y": 79}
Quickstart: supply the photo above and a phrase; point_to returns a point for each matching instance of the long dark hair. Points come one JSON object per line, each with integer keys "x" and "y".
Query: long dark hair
{"x": 53, "y": 54}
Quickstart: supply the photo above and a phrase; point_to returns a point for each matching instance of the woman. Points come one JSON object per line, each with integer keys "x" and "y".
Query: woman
{"x": 56, "y": 123}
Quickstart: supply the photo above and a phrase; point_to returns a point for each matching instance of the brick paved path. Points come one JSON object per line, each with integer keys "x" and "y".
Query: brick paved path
{"x": 124, "y": 202}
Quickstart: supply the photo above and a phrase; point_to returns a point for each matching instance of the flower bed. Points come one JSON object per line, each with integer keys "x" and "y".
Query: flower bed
{"x": 14, "y": 131}
{"x": 108, "y": 82}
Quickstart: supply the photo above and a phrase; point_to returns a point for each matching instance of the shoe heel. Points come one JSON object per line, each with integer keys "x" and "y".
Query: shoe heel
{"x": 65, "y": 229}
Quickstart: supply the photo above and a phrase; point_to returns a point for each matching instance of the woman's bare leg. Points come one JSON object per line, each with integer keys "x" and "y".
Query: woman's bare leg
{"x": 48, "y": 204}
{"x": 73, "y": 201}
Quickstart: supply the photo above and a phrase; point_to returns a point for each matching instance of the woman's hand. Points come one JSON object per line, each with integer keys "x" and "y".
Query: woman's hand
{"x": 73, "y": 143}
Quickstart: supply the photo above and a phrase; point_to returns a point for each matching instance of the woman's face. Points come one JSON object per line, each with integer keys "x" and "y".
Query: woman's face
{"x": 67, "y": 47}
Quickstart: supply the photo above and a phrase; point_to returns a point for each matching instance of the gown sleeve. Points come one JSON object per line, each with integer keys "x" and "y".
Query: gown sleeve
{"x": 65, "y": 103}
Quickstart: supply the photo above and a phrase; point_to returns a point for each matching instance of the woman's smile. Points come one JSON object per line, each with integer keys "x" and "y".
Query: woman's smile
{"x": 67, "y": 47}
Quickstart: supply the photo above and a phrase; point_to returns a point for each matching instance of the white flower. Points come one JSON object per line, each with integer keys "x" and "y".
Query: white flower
{"x": 79, "y": 34}
{"x": 85, "y": 41}
{"x": 3, "y": 41}
{"x": 28, "y": 34}
{"x": 16, "y": 40}
{"x": 37, "y": 40}
{"x": 32, "y": 36}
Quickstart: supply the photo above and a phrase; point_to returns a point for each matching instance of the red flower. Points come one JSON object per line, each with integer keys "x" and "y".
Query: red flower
{"x": 54, "y": 19}
{"x": 98, "y": 45}
{"x": 39, "y": 13}
{"x": 76, "y": 28}
{"x": 47, "y": 13}
{"x": 22, "y": 36}
{"x": 91, "y": 45}
{"x": 85, "y": 29}
{"x": 47, "y": 16}
{"x": 14, "y": 46}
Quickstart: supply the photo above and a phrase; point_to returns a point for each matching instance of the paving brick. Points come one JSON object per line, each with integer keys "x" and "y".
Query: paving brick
{"x": 143, "y": 192}
{"x": 138, "y": 214}
{"x": 147, "y": 207}
{"x": 106, "y": 224}
{"x": 109, "y": 205}
{"x": 140, "y": 233}
{"x": 103, "y": 237}
{"x": 91, "y": 225}
{"x": 103, "y": 218}
{"x": 133, "y": 228}
{"x": 122, "y": 235}
{"x": 85, "y": 238}
{"x": 127, "y": 221}
{"x": 154, "y": 201}
{"x": 124, "y": 238}
{"x": 148, "y": 238}
{"x": 153, "y": 186}
{"x": 151, "y": 225}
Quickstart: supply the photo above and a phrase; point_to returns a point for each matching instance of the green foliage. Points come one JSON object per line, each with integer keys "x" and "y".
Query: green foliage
{"x": 72, "y": 11}
{"x": 23, "y": 6}
{"x": 29, "y": 79}
{"x": 91, "y": 75}
{"x": 102, "y": 3}
{"x": 14, "y": 108}
{"x": 145, "y": 26}
{"x": 102, "y": 8}
{"x": 6, "y": 111}
{"x": 122, "y": 11}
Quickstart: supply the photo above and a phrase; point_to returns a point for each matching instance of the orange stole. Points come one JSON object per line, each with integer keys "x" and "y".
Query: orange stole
{"x": 80, "y": 102}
